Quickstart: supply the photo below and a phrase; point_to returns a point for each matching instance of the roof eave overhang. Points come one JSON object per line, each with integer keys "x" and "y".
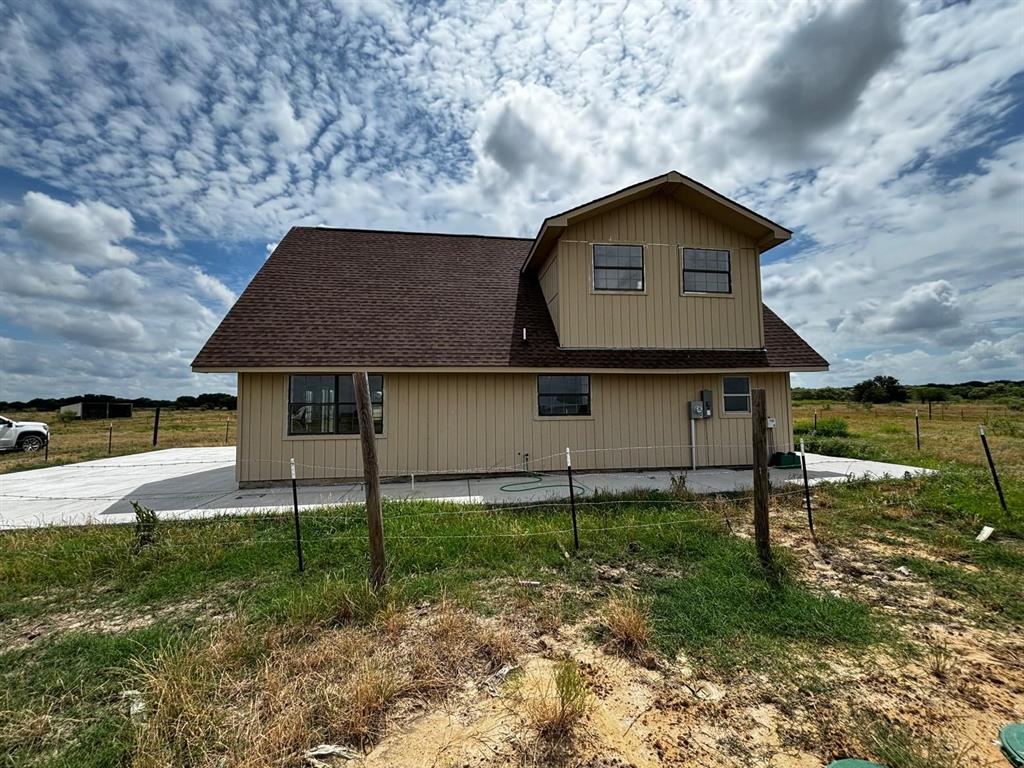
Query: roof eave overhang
{"x": 765, "y": 232}
{"x": 497, "y": 368}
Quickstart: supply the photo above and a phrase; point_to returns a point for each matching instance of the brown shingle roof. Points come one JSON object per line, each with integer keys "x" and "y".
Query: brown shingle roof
{"x": 342, "y": 297}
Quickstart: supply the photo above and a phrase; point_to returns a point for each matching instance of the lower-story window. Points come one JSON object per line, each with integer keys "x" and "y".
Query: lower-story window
{"x": 326, "y": 405}
{"x": 563, "y": 395}
{"x": 736, "y": 394}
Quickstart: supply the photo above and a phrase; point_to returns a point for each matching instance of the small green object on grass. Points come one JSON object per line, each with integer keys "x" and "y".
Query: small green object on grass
{"x": 851, "y": 762}
{"x": 786, "y": 460}
{"x": 1011, "y": 742}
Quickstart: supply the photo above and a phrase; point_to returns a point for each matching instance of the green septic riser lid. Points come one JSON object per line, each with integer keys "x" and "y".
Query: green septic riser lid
{"x": 854, "y": 763}
{"x": 1011, "y": 738}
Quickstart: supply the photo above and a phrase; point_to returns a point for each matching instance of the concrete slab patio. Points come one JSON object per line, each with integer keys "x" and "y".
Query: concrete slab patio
{"x": 200, "y": 482}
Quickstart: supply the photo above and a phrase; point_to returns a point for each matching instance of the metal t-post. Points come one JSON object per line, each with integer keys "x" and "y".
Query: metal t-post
{"x": 572, "y": 501}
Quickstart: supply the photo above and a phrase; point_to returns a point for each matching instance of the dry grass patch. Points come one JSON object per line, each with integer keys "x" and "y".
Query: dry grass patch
{"x": 628, "y": 623}
{"x": 221, "y": 701}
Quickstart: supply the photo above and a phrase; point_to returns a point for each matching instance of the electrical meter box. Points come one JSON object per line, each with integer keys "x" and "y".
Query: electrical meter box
{"x": 697, "y": 409}
{"x": 705, "y": 396}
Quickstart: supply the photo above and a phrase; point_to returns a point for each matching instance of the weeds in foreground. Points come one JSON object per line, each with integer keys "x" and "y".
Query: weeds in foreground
{"x": 557, "y": 716}
{"x": 900, "y": 747}
{"x": 939, "y": 661}
{"x": 144, "y": 533}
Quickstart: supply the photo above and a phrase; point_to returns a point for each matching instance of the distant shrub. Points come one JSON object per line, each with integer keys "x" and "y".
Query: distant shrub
{"x": 845, "y": 447}
{"x": 1006, "y": 427}
{"x": 832, "y": 426}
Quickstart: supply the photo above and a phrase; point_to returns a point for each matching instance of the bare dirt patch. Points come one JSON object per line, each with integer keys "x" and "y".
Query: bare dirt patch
{"x": 21, "y": 632}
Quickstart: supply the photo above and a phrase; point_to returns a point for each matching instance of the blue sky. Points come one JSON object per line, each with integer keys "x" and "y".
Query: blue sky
{"x": 152, "y": 153}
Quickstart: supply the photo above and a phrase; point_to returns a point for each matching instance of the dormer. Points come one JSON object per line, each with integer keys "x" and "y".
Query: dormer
{"x": 664, "y": 264}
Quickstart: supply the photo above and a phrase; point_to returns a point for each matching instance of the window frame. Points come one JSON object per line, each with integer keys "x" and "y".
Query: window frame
{"x": 748, "y": 396}
{"x": 683, "y": 270}
{"x": 538, "y": 414}
{"x": 619, "y": 291}
{"x": 336, "y": 405}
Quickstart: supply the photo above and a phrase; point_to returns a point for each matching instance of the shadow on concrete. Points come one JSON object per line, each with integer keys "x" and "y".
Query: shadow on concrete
{"x": 214, "y": 491}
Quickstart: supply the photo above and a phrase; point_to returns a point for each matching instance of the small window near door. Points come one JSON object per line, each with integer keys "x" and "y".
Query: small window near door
{"x": 619, "y": 268}
{"x": 706, "y": 271}
{"x": 563, "y": 395}
{"x": 736, "y": 394}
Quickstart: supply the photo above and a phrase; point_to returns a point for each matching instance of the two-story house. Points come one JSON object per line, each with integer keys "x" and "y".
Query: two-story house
{"x": 490, "y": 354}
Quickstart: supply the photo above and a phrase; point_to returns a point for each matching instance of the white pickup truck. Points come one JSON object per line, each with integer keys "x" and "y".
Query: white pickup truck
{"x": 22, "y": 435}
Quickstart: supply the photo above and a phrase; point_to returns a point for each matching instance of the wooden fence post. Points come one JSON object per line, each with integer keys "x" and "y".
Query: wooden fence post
{"x": 371, "y": 475}
{"x": 759, "y": 431}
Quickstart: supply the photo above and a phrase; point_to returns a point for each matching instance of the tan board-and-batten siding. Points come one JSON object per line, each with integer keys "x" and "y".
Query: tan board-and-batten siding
{"x": 662, "y": 316}
{"x": 463, "y": 423}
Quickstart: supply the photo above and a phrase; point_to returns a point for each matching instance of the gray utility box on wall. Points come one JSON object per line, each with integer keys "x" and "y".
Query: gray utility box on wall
{"x": 705, "y": 396}
{"x": 697, "y": 409}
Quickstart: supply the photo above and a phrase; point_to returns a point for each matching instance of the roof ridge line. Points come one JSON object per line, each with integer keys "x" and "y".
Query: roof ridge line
{"x": 322, "y": 227}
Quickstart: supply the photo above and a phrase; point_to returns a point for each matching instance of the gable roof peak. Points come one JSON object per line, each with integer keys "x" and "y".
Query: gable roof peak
{"x": 688, "y": 191}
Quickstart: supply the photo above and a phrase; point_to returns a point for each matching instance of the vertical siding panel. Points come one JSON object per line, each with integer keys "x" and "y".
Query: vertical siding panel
{"x": 239, "y": 424}
{"x": 278, "y": 386}
{"x": 261, "y": 437}
{"x": 255, "y": 396}
{"x": 420, "y": 405}
{"x": 246, "y": 427}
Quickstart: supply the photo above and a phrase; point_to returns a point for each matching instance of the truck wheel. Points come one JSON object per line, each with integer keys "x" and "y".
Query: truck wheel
{"x": 31, "y": 443}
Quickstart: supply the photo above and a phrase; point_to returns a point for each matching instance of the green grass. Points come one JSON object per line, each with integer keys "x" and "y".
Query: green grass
{"x": 61, "y": 701}
{"x": 725, "y": 612}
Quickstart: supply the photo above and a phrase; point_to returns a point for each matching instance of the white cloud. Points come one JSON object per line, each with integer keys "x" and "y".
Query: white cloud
{"x": 215, "y": 123}
{"x": 925, "y": 307}
{"x": 86, "y": 233}
{"x": 984, "y": 355}
{"x": 213, "y": 288}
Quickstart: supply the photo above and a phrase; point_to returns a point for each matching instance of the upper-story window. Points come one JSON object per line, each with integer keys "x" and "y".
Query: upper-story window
{"x": 618, "y": 267}
{"x": 706, "y": 271}
{"x": 326, "y": 405}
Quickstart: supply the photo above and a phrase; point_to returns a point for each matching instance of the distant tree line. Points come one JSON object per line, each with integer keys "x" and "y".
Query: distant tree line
{"x": 887, "y": 389}
{"x": 208, "y": 400}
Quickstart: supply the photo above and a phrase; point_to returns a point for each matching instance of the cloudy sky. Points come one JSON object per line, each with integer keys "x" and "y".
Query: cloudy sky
{"x": 152, "y": 153}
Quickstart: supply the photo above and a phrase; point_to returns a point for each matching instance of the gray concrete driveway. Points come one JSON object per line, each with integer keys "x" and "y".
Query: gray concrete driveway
{"x": 200, "y": 482}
